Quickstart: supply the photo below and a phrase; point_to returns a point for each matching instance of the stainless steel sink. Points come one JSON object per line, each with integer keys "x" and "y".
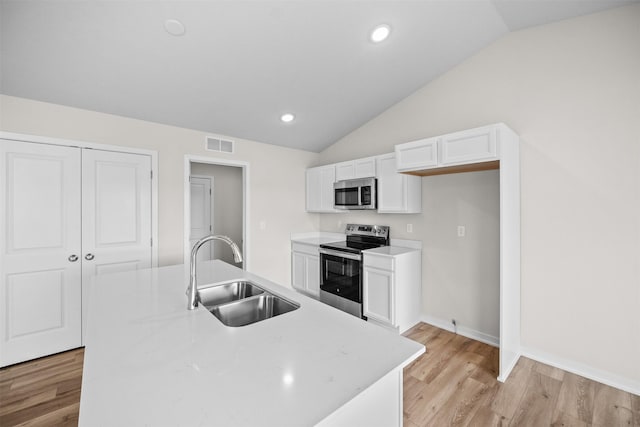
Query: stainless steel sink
{"x": 253, "y": 309}
{"x": 228, "y": 292}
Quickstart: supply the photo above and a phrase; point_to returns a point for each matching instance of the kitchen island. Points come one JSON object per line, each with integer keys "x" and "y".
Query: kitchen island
{"x": 150, "y": 361}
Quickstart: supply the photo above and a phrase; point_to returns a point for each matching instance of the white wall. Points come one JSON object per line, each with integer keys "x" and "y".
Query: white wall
{"x": 276, "y": 188}
{"x": 571, "y": 90}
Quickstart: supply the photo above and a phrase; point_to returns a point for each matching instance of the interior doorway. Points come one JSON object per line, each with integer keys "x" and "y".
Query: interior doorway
{"x": 202, "y": 209}
{"x": 215, "y": 203}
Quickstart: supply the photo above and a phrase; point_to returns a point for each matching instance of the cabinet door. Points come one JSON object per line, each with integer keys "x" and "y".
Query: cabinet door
{"x": 312, "y": 275}
{"x": 378, "y": 295}
{"x": 470, "y": 146}
{"x": 359, "y": 168}
{"x": 40, "y": 267}
{"x": 345, "y": 170}
{"x": 416, "y": 155}
{"x": 313, "y": 190}
{"x": 298, "y": 271}
{"x": 327, "y": 179}
{"x": 392, "y": 186}
{"x": 365, "y": 168}
{"x": 319, "y": 188}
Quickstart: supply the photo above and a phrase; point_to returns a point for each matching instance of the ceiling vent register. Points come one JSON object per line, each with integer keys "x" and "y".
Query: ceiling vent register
{"x": 217, "y": 144}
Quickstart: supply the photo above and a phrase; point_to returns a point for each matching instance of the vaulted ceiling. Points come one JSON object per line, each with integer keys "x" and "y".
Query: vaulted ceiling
{"x": 236, "y": 66}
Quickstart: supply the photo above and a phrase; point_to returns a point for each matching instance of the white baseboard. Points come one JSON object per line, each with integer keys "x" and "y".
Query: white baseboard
{"x": 604, "y": 377}
{"x": 461, "y": 330}
{"x": 505, "y": 371}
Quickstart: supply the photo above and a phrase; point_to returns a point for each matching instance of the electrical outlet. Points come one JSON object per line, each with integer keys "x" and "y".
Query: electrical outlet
{"x": 462, "y": 231}
{"x": 409, "y": 228}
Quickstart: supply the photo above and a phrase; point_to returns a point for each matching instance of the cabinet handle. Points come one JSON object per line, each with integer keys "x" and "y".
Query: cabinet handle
{"x": 88, "y": 257}
{"x": 73, "y": 258}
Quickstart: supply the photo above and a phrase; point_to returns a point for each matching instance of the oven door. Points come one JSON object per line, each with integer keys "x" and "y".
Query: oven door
{"x": 340, "y": 274}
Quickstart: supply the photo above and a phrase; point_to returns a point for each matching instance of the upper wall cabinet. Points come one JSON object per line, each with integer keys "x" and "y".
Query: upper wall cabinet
{"x": 320, "y": 188}
{"x": 397, "y": 192}
{"x": 479, "y": 147}
{"x": 420, "y": 154}
{"x": 475, "y": 145}
{"x": 359, "y": 168}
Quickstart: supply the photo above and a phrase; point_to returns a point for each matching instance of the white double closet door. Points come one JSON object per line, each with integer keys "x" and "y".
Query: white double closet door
{"x": 66, "y": 214}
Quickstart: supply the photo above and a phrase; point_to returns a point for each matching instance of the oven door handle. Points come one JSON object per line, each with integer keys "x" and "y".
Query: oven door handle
{"x": 340, "y": 254}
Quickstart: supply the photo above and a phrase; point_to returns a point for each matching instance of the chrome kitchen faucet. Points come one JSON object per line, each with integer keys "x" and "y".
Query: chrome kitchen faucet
{"x": 192, "y": 290}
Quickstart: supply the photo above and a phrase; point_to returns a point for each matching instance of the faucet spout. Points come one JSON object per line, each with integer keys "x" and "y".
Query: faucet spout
{"x": 192, "y": 290}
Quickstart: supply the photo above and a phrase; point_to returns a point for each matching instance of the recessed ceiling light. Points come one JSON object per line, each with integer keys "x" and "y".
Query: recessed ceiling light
{"x": 287, "y": 117}
{"x": 380, "y": 33}
{"x": 174, "y": 27}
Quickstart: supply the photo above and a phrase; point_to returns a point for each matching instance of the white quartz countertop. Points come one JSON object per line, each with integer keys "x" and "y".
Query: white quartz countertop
{"x": 317, "y": 238}
{"x": 390, "y": 250}
{"x": 150, "y": 361}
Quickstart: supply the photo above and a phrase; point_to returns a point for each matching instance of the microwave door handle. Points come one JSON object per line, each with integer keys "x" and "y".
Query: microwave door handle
{"x": 359, "y": 195}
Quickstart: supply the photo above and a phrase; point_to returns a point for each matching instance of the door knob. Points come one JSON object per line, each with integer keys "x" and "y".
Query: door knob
{"x": 88, "y": 257}
{"x": 73, "y": 258}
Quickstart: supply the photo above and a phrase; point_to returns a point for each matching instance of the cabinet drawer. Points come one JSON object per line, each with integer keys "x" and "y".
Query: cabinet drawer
{"x": 380, "y": 262}
{"x": 304, "y": 248}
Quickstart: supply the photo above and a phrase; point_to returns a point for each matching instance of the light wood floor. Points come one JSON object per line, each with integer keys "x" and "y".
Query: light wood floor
{"x": 42, "y": 392}
{"x": 452, "y": 384}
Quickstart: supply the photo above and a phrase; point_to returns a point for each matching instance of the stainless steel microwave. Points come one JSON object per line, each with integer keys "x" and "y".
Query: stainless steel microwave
{"x": 355, "y": 194}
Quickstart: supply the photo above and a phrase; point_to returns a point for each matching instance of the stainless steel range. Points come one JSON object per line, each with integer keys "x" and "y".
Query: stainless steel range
{"x": 341, "y": 266}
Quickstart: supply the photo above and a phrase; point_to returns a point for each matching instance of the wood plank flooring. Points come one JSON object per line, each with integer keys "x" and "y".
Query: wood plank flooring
{"x": 452, "y": 384}
{"x": 42, "y": 392}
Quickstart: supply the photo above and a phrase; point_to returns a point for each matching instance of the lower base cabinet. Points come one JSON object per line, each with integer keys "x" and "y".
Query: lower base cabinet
{"x": 305, "y": 269}
{"x": 392, "y": 294}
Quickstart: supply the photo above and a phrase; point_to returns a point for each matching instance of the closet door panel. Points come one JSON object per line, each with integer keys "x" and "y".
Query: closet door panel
{"x": 116, "y": 214}
{"x": 40, "y": 269}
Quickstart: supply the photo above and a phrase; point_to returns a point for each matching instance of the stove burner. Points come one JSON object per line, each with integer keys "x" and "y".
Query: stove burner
{"x": 360, "y": 238}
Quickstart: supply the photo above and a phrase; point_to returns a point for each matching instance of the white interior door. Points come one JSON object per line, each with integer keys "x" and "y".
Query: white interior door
{"x": 116, "y": 214}
{"x": 201, "y": 215}
{"x": 40, "y": 268}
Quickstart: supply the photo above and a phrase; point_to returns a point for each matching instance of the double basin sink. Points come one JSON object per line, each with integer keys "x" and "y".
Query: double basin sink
{"x": 241, "y": 303}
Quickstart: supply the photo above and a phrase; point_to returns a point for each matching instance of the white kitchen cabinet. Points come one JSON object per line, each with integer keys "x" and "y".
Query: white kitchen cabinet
{"x": 66, "y": 214}
{"x": 397, "y": 193}
{"x": 319, "y": 188}
{"x": 473, "y": 146}
{"x": 379, "y": 301}
{"x": 305, "y": 269}
{"x": 391, "y": 286}
{"x": 489, "y": 147}
{"x": 359, "y": 168}
{"x": 420, "y": 154}
{"x": 469, "y": 146}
